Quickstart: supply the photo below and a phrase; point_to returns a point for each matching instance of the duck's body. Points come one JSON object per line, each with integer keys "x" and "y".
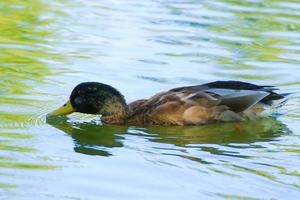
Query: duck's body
{"x": 221, "y": 101}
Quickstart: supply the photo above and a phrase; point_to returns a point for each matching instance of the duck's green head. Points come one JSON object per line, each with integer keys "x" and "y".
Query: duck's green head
{"x": 93, "y": 98}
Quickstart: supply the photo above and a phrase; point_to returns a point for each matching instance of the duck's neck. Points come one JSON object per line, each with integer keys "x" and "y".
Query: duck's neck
{"x": 114, "y": 111}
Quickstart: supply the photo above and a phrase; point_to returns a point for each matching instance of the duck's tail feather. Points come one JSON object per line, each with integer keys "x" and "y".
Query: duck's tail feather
{"x": 272, "y": 107}
{"x": 286, "y": 94}
{"x": 279, "y": 103}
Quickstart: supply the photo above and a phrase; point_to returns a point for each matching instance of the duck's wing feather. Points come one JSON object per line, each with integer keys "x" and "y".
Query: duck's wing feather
{"x": 237, "y": 100}
{"x": 227, "y": 86}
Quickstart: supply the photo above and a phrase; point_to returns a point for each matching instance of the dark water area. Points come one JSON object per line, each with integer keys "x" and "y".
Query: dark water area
{"x": 141, "y": 48}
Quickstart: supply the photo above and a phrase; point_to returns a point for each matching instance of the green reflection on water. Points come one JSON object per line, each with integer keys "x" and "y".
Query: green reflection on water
{"x": 90, "y": 138}
{"x": 24, "y": 46}
{"x": 26, "y": 166}
{"x": 14, "y": 148}
{"x": 24, "y": 53}
{"x": 3, "y": 185}
{"x": 15, "y": 135}
{"x": 252, "y": 36}
{"x": 236, "y": 197}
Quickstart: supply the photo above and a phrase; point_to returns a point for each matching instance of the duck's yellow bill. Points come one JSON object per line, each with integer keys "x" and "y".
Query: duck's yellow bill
{"x": 66, "y": 109}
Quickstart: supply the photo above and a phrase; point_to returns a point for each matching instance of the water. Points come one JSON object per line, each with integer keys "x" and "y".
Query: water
{"x": 143, "y": 47}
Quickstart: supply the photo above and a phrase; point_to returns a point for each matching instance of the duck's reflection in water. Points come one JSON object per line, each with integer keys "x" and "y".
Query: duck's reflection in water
{"x": 95, "y": 139}
{"x": 226, "y": 139}
{"x": 91, "y": 138}
{"x": 224, "y": 133}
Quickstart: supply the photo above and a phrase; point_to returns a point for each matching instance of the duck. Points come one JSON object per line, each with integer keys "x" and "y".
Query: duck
{"x": 213, "y": 102}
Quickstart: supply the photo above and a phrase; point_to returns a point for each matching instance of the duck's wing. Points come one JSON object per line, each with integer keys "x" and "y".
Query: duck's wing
{"x": 239, "y": 85}
{"x": 235, "y": 90}
{"x": 236, "y": 100}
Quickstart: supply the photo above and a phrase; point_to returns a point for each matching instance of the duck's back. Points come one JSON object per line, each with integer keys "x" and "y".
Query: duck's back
{"x": 202, "y": 104}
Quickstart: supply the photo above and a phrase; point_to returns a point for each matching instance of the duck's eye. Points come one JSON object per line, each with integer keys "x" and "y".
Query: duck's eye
{"x": 65, "y": 104}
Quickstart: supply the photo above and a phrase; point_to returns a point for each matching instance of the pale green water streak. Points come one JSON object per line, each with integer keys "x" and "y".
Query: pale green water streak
{"x": 143, "y": 47}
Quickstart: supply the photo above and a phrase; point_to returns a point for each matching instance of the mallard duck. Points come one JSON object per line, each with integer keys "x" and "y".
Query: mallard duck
{"x": 220, "y": 101}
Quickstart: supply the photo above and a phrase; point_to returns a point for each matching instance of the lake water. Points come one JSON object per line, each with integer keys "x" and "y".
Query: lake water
{"x": 143, "y": 47}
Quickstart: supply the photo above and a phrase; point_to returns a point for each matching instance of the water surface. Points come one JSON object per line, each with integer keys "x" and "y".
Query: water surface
{"x": 143, "y": 47}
